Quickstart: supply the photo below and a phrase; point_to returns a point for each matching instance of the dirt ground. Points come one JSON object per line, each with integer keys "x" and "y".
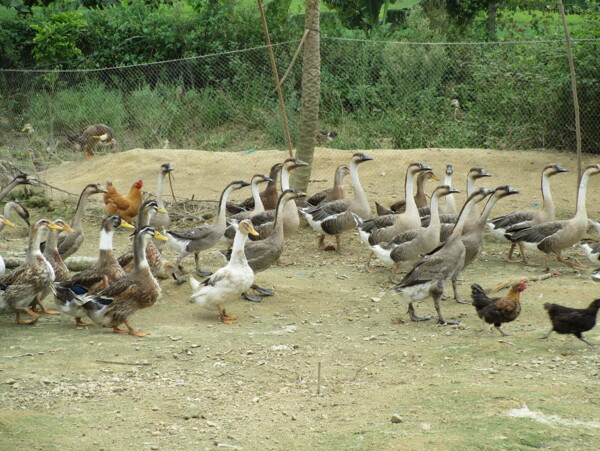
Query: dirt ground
{"x": 321, "y": 365}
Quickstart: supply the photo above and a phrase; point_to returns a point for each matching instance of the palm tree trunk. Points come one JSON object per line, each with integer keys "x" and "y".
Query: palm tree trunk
{"x": 311, "y": 93}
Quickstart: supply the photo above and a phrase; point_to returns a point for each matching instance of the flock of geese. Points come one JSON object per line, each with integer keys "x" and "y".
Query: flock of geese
{"x": 431, "y": 242}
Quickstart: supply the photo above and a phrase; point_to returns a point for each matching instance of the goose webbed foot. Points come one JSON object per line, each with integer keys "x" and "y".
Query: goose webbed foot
{"x": 251, "y": 298}
{"x": 414, "y": 317}
{"x": 203, "y": 272}
{"x": 177, "y": 277}
{"x": 263, "y": 291}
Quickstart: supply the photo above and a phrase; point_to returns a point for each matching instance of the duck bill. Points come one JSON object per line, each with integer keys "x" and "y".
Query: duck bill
{"x": 162, "y": 210}
{"x": 252, "y": 231}
{"x": 67, "y": 228}
{"x": 126, "y": 225}
{"x": 8, "y": 223}
{"x": 159, "y": 236}
{"x": 55, "y": 227}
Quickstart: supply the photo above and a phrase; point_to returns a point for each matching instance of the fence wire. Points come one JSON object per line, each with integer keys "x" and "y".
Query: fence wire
{"x": 374, "y": 94}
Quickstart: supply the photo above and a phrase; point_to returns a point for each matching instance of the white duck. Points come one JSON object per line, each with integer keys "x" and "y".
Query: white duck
{"x": 229, "y": 282}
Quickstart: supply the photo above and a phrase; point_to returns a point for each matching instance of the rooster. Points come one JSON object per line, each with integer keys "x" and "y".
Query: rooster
{"x": 568, "y": 320}
{"x": 498, "y": 310}
{"x": 126, "y": 206}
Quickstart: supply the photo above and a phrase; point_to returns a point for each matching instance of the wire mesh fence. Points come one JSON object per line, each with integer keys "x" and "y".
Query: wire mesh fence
{"x": 374, "y": 94}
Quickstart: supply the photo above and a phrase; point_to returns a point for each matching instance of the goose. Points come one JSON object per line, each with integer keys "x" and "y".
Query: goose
{"x": 146, "y": 212}
{"x": 256, "y": 180}
{"x": 230, "y": 281}
{"x": 500, "y": 225}
{"x": 420, "y": 197}
{"x": 203, "y": 237}
{"x": 113, "y": 305}
{"x": 19, "y": 179}
{"x": 264, "y": 253}
{"x": 334, "y": 193}
{"x": 384, "y": 228}
{"x": 104, "y": 272}
{"x": 596, "y": 225}
{"x": 406, "y": 247}
{"x": 161, "y": 220}
{"x": 69, "y": 243}
{"x": 449, "y": 207}
{"x": 263, "y": 222}
{"x": 338, "y": 216}
{"x": 472, "y": 238}
{"x": 20, "y": 287}
{"x": 20, "y": 209}
{"x": 268, "y": 196}
{"x": 4, "y": 222}
{"x": 428, "y": 275}
{"x": 555, "y": 236}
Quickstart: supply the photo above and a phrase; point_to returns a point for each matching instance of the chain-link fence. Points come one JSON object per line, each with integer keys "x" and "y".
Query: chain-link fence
{"x": 374, "y": 94}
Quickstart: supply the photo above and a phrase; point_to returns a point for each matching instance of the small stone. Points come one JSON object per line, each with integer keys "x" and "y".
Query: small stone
{"x": 397, "y": 418}
{"x": 192, "y": 411}
{"x": 10, "y": 381}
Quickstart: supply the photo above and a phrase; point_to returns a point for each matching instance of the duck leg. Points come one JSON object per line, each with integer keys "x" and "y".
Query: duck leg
{"x": 413, "y": 315}
{"x": 441, "y": 319}
{"x": 199, "y": 271}
{"x": 38, "y": 303}
{"x": 29, "y": 312}
{"x": 80, "y": 323}
{"x": 130, "y": 331}
{"x": 225, "y": 318}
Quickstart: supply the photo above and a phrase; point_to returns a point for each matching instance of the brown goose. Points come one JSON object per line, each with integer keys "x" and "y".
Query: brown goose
{"x": 334, "y": 193}
{"x": 408, "y": 246}
{"x": 102, "y": 274}
{"x": 385, "y": 228}
{"x": 555, "y": 236}
{"x": 420, "y": 196}
{"x": 201, "y": 238}
{"x": 500, "y": 225}
{"x": 269, "y": 196}
{"x": 473, "y": 237}
{"x": 428, "y": 276}
{"x": 257, "y": 179}
{"x": 264, "y": 253}
{"x": 338, "y": 216}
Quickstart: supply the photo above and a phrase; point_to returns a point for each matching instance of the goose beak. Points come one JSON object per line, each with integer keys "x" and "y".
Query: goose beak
{"x": 159, "y": 236}
{"x": 162, "y": 210}
{"x": 126, "y": 225}
{"x": 101, "y": 189}
{"x": 8, "y": 223}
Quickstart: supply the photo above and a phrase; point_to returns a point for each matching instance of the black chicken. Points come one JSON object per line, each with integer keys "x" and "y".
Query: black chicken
{"x": 498, "y": 310}
{"x": 568, "y": 320}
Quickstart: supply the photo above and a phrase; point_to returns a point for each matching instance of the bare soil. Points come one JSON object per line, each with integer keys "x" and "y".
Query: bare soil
{"x": 324, "y": 364}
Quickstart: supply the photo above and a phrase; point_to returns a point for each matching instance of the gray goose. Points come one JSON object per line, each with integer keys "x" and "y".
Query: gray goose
{"x": 385, "y": 228}
{"x": 500, "y": 225}
{"x": 408, "y": 246}
{"x": 338, "y": 216}
{"x": 473, "y": 237}
{"x": 201, "y": 238}
{"x": 428, "y": 276}
{"x": 420, "y": 197}
{"x": 262, "y": 254}
{"x": 555, "y": 236}
{"x": 256, "y": 180}
{"x": 161, "y": 221}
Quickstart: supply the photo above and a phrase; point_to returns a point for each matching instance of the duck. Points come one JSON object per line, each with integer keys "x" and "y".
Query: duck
{"x": 499, "y": 225}
{"x": 338, "y": 216}
{"x": 19, "y": 179}
{"x": 385, "y": 228}
{"x": 407, "y": 247}
{"x": 137, "y": 290}
{"x": 69, "y": 243}
{"x": 420, "y": 197}
{"x": 203, "y": 237}
{"x": 268, "y": 196}
{"x": 22, "y": 212}
{"x": 428, "y": 276}
{"x": 262, "y": 254}
{"x": 146, "y": 212}
{"x": 4, "y": 222}
{"x": 472, "y": 238}
{"x": 334, "y": 193}
{"x": 553, "y": 237}
{"x": 256, "y": 180}
{"x": 105, "y": 271}
{"x": 230, "y": 281}
{"x": 20, "y": 287}
{"x": 263, "y": 222}
{"x": 161, "y": 220}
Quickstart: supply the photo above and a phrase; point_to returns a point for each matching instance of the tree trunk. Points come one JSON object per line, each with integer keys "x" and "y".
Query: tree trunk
{"x": 311, "y": 93}
{"x": 492, "y": 10}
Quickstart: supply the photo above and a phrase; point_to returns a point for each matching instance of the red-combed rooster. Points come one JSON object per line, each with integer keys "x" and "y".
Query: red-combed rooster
{"x": 498, "y": 310}
{"x": 568, "y": 320}
{"x": 126, "y": 206}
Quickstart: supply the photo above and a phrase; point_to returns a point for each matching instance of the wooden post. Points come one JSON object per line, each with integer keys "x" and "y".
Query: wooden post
{"x": 276, "y": 76}
{"x": 573, "y": 88}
